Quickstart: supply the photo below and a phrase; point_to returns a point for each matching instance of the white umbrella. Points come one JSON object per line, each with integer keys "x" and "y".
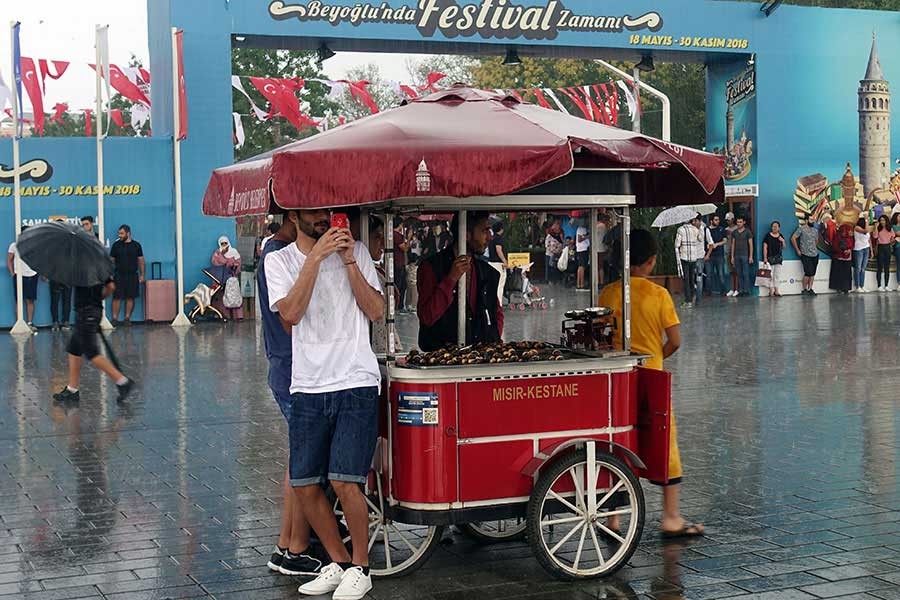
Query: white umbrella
{"x": 682, "y": 214}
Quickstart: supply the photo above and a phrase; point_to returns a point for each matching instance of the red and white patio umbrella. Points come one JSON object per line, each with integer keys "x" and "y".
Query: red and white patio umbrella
{"x": 470, "y": 143}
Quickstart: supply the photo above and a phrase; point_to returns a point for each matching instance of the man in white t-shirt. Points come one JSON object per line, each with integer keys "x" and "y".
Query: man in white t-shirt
{"x": 325, "y": 287}
{"x": 582, "y": 256}
{"x": 29, "y": 282}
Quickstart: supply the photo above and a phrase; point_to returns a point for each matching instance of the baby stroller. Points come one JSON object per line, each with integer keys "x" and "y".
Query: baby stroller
{"x": 519, "y": 291}
{"x": 203, "y": 296}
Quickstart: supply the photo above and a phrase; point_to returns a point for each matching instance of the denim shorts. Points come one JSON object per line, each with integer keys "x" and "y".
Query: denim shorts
{"x": 333, "y": 436}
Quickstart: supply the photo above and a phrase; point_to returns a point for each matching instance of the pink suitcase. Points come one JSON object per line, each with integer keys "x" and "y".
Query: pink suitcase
{"x": 160, "y": 303}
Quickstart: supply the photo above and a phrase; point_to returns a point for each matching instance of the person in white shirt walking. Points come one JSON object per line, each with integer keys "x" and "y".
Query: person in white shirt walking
{"x": 691, "y": 242}
{"x": 29, "y": 283}
{"x": 325, "y": 287}
{"x": 582, "y": 256}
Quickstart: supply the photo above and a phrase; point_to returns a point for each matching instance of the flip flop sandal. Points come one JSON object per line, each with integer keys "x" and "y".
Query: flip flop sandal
{"x": 689, "y": 530}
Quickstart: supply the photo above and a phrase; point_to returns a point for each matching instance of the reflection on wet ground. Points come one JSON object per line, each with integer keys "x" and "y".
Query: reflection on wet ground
{"x": 789, "y": 423}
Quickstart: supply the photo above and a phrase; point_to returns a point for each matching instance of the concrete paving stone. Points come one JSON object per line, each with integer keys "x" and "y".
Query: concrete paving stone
{"x": 779, "y": 595}
{"x": 847, "y": 586}
{"x": 184, "y": 482}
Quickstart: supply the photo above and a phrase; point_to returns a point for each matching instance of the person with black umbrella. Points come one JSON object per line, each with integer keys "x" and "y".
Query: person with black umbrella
{"x": 83, "y": 343}
{"x": 71, "y": 256}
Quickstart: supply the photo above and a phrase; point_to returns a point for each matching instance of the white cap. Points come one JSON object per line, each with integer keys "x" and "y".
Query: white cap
{"x": 729, "y": 216}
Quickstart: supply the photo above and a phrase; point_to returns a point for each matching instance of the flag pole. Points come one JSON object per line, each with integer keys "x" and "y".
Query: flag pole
{"x": 20, "y": 327}
{"x": 100, "y": 34}
{"x": 181, "y": 319}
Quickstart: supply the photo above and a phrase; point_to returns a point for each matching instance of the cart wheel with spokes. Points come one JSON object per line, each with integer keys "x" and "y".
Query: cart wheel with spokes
{"x": 569, "y": 511}
{"x": 395, "y": 549}
{"x": 493, "y": 532}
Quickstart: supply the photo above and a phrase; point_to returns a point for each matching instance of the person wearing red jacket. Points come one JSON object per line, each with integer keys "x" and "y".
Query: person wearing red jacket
{"x": 437, "y": 282}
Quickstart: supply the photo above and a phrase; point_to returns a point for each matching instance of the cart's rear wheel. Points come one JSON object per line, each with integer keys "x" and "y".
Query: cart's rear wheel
{"x": 492, "y": 532}
{"x": 569, "y": 512}
{"x": 395, "y": 549}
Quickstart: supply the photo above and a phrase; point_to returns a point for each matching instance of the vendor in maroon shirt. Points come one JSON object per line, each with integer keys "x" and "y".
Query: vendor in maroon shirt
{"x": 437, "y": 280}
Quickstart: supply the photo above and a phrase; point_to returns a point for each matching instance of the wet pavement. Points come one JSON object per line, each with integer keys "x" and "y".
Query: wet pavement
{"x": 789, "y": 422}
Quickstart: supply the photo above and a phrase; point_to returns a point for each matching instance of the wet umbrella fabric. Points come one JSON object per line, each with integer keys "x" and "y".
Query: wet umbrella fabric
{"x": 66, "y": 254}
{"x": 682, "y": 214}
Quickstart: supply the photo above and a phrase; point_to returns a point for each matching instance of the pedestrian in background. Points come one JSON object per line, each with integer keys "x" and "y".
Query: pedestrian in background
{"x": 742, "y": 256}
{"x": 128, "y": 256}
{"x": 715, "y": 257}
{"x": 862, "y": 245}
{"x": 30, "y": 280}
{"x": 730, "y": 227}
{"x": 401, "y": 247}
{"x": 87, "y": 223}
{"x": 773, "y": 254}
{"x": 690, "y": 248}
{"x": 806, "y": 244}
{"x": 883, "y": 240}
{"x": 895, "y": 225}
{"x": 582, "y": 256}
{"x": 602, "y": 248}
{"x": 553, "y": 249}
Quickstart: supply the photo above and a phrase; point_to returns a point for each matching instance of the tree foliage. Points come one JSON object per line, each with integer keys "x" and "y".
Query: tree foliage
{"x": 869, "y": 4}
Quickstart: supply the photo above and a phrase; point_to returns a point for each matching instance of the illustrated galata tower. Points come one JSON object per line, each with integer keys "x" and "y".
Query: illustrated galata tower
{"x": 874, "y": 126}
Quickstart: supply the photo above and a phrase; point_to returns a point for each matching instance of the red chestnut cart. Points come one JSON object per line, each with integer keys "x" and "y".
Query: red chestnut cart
{"x": 552, "y": 450}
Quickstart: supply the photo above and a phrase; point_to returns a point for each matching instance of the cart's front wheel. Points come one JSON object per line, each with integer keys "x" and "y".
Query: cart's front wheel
{"x": 492, "y": 532}
{"x": 395, "y": 549}
{"x": 572, "y": 511}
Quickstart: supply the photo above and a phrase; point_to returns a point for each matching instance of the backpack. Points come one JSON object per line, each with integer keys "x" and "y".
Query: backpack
{"x": 232, "y": 297}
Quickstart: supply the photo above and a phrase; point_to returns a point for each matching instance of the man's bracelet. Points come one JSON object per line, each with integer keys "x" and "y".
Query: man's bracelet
{"x": 352, "y": 262}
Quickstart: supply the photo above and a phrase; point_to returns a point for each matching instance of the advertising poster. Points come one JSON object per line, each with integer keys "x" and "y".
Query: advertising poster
{"x": 731, "y": 120}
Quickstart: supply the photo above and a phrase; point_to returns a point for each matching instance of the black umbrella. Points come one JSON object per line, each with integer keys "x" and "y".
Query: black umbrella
{"x": 65, "y": 254}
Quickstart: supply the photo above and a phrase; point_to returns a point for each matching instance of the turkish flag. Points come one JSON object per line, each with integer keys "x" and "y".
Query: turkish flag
{"x": 361, "y": 94}
{"x": 145, "y": 74}
{"x": 409, "y": 91}
{"x": 281, "y": 94}
{"x": 120, "y": 82}
{"x": 431, "y": 80}
{"x": 31, "y": 81}
{"x": 116, "y": 116}
{"x": 58, "y": 111}
{"x": 539, "y": 94}
{"x": 88, "y": 122}
{"x": 59, "y": 65}
{"x": 182, "y": 124}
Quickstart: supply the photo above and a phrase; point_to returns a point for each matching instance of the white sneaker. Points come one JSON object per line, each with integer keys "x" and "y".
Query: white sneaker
{"x": 730, "y": 293}
{"x": 328, "y": 580}
{"x": 354, "y": 585}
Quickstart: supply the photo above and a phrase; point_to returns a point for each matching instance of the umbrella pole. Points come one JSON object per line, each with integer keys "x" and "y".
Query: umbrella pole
{"x": 21, "y": 327}
{"x": 462, "y": 296}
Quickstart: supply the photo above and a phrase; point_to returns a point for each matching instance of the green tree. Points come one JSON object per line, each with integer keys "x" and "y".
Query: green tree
{"x": 265, "y": 136}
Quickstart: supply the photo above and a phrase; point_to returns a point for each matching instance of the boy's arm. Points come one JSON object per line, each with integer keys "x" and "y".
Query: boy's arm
{"x": 673, "y": 340}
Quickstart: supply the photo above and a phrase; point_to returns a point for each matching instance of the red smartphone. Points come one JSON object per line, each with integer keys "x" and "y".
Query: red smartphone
{"x": 340, "y": 220}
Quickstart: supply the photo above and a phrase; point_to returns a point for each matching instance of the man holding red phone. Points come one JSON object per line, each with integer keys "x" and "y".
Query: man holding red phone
{"x": 325, "y": 288}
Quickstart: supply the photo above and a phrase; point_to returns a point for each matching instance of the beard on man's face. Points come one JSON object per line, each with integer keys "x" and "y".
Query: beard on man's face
{"x": 315, "y": 230}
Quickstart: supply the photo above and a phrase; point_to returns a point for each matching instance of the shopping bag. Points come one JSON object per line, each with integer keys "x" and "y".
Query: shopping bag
{"x": 232, "y": 297}
{"x": 764, "y": 277}
{"x": 563, "y": 263}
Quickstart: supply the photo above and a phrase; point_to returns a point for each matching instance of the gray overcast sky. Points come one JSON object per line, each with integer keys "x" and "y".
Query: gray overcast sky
{"x": 64, "y": 30}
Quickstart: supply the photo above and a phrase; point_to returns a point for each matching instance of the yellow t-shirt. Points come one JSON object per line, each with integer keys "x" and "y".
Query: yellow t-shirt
{"x": 652, "y": 312}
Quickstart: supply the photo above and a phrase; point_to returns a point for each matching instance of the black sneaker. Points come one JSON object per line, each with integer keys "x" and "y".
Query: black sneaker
{"x": 299, "y": 564}
{"x": 812, "y": 293}
{"x": 67, "y": 395}
{"x": 276, "y": 559}
{"x": 124, "y": 389}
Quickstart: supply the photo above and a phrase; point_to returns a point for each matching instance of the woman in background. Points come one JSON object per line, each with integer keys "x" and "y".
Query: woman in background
{"x": 229, "y": 260}
{"x": 861, "y": 249}
{"x": 773, "y": 254}
{"x": 883, "y": 240}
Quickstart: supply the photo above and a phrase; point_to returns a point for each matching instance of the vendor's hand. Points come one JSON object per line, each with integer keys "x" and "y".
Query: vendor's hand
{"x": 462, "y": 265}
{"x": 331, "y": 241}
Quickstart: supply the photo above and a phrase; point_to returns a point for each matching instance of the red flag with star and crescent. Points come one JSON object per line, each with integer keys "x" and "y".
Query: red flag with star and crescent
{"x": 31, "y": 80}
{"x": 182, "y": 124}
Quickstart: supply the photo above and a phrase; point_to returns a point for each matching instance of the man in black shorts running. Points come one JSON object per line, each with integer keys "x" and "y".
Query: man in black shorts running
{"x": 84, "y": 342}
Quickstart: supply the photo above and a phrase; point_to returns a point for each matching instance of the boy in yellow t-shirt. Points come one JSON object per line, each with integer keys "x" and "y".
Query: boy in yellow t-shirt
{"x": 655, "y": 332}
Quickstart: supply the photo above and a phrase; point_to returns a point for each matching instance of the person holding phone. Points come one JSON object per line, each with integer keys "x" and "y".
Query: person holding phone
{"x": 438, "y": 278}
{"x": 325, "y": 290}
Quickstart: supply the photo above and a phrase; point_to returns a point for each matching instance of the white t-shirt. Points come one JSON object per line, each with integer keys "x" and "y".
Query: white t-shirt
{"x": 585, "y": 245}
{"x": 601, "y": 235}
{"x": 860, "y": 241}
{"x": 26, "y": 270}
{"x": 331, "y": 349}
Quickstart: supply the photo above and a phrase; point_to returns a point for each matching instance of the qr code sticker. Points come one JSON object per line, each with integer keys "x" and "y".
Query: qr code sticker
{"x": 429, "y": 416}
